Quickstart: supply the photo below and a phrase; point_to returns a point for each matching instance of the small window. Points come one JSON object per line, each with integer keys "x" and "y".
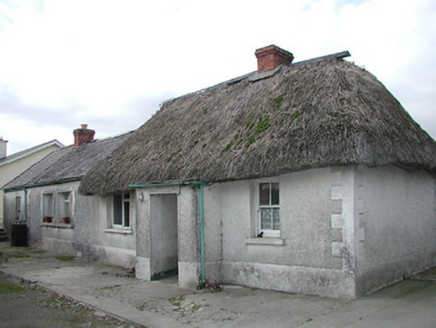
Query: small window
{"x": 122, "y": 210}
{"x": 47, "y": 207}
{"x": 269, "y": 209}
{"x": 17, "y": 204}
{"x": 65, "y": 207}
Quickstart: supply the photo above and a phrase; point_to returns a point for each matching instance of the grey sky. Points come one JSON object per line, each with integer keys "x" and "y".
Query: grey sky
{"x": 110, "y": 63}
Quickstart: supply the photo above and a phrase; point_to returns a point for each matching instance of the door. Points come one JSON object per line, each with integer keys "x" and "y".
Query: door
{"x": 163, "y": 236}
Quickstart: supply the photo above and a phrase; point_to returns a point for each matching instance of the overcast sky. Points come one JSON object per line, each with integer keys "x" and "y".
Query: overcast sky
{"x": 111, "y": 63}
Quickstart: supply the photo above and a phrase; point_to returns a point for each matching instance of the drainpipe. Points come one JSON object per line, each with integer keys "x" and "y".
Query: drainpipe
{"x": 203, "y": 274}
{"x": 195, "y": 183}
{"x": 25, "y": 204}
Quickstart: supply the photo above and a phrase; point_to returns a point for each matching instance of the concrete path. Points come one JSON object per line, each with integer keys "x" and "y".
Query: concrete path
{"x": 115, "y": 292}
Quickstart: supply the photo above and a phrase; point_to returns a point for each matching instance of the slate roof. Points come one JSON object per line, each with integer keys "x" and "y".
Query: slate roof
{"x": 66, "y": 164}
{"x": 13, "y": 157}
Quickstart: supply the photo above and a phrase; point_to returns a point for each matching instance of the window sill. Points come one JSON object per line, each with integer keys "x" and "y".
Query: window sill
{"x": 57, "y": 225}
{"x": 119, "y": 231}
{"x": 274, "y": 241}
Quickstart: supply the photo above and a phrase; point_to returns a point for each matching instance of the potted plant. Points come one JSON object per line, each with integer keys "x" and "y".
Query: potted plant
{"x": 66, "y": 220}
{"x": 48, "y": 219}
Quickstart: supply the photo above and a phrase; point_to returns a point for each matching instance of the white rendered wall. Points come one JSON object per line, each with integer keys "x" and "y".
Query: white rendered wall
{"x": 312, "y": 254}
{"x": 397, "y": 219}
{"x": 89, "y": 233}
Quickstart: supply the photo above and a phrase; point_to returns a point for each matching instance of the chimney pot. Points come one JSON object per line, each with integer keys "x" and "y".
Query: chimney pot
{"x": 270, "y": 57}
{"x": 83, "y": 135}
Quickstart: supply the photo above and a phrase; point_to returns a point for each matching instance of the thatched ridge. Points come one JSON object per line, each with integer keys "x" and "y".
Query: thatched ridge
{"x": 302, "y": 116}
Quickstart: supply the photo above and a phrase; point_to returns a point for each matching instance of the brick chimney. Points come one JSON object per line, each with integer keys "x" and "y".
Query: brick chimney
{"x": 83, "y": 135}
{"x": 272, "y": 56}
{"x": 3, "y": 147}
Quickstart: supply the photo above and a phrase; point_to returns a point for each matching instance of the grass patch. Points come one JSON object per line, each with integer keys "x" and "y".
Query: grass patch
{"x": 176, "y": 301}
{"x": 110, "y": 287}
{"x": 17, "y": 255}
{"x": 65, "y": 258}
{"x": 8, "y": 288}
{"x": 277, "y": 102}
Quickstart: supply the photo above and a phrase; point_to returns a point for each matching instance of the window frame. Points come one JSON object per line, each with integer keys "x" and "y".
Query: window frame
{"x": 65, "y": 214}
{"x": 48, "y": 210}
{"x": 17, "y": 205}
{"x": 122, "y": 211}
{"x": 274, "y": 233}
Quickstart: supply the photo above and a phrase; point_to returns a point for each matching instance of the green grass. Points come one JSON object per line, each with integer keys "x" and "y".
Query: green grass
{"x": 17, "y": 255}
{"x": 110, "y": 287}
{"x": 177, "y": 301}
{"x": 8, "y": 288}
{"x": 65, "y": 258}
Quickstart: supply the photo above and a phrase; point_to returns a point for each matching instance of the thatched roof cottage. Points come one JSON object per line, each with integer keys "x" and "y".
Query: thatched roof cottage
{"x": 305, "y": 177}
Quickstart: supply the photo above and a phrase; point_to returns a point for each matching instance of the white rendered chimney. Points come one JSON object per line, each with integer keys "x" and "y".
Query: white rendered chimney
{"x": 3, "y": 147}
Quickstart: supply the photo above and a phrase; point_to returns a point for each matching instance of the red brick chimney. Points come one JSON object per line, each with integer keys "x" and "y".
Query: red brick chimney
{"x": 83, "y": 135}
{"x": 272, "y": 56}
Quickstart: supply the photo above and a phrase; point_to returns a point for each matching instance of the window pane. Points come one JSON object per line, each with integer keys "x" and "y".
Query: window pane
{"x": 276, "y": 219}
{"x": 65, "y": 205}
{"x": 264, "y": 194}
{"x": 127, "y": 214}
{"x": 118, "y": 207}
{"x": 48, "y": 205}
{"x": 275, "y": 195}
{"x": 18, "y": 204}
{"x": 265, "y": 218}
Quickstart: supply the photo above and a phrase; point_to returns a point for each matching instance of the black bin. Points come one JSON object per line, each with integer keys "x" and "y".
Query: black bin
{"x": 19, "y": 234}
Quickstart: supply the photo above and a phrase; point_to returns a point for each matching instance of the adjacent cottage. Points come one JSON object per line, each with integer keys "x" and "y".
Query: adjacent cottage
{"x": 13, "y": 165}
{"x": 304, "y": 177}
{"x": 60, "y": 219}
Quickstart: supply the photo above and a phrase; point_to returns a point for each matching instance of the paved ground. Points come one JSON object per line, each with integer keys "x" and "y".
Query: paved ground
{"x": 22, "y": 305}
{"x": 115, "y": 292}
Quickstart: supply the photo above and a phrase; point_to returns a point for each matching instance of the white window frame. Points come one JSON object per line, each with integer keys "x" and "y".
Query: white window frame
{"x": 124, "y": 223}
{"x": 63, "y": 201}
{"x": 259, "y": 230}
{"x": 48, "y": 212}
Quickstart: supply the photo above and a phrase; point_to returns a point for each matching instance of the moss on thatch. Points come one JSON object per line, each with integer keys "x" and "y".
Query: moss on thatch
{"x": 303, "y": 116}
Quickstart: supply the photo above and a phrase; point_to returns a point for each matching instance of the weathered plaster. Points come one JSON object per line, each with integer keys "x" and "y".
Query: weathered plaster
{"x": 397, "y": 215}
{"x": 87, "y": 234}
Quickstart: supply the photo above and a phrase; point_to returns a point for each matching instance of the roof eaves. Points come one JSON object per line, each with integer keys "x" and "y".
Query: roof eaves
{"x": 42, "y": 184}
{"x": 30, "y": 151}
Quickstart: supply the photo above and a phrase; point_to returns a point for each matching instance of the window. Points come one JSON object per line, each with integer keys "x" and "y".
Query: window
{"x": 17, "y": 204}
{"x": 269, "y": 209}
{"x": 47, "y": 207}
{"x": 122, "y": 210}
{"x": 65, "y": 208}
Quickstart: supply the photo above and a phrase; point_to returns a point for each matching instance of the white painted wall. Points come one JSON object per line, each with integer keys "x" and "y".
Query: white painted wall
{"x": 397, "y": 219}
{"x": 345, "y": 231}
{"x": 89, "y": 233}
{"x": 302, "y": 259}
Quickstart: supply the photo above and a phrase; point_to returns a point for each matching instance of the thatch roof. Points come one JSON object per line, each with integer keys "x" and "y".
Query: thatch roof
{"x": 66, "y": 164}
{"x": 308, "y": 115}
